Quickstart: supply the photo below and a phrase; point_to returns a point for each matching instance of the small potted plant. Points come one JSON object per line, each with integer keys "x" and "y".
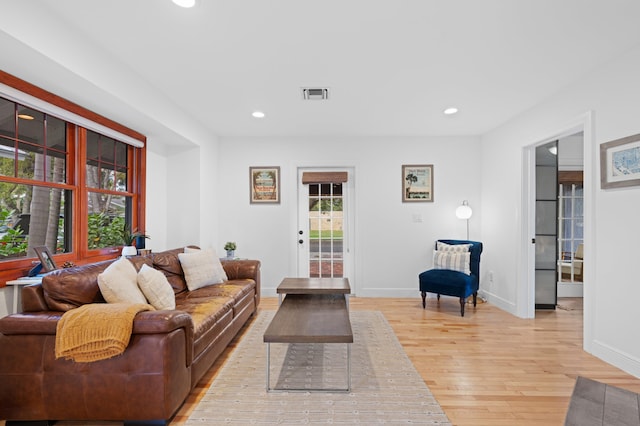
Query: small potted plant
{"x": 133, "y": 238}
{"x": 230, "y": 247}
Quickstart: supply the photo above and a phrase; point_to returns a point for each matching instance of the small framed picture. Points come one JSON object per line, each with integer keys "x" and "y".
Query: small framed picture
{"x": 46, "y": 259}
{"x": 417, "y": 183}
{"x": 264, "y": 185}
{"x": 620, "y": 162}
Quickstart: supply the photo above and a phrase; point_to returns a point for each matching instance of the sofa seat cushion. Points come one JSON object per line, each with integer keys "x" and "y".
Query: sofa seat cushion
{"x": 451, "y": 283}
{"x": 212, "y": 308}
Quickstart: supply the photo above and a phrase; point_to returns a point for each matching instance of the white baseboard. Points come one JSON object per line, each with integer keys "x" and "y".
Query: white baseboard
{"x": 614, "y": 357}
{"x": 501, "y": 303}
{"x": 570, "y": 290}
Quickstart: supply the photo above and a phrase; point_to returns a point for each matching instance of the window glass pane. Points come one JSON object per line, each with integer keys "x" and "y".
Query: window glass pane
{"x": 56, "y": 134}
{"x": 7, "y": 154}
{"x": 30, "y": 125}
{"x": 7, "y": 118}
{"x": 108, "y": 215}
{"x": 30, "y": 162}
{"x": 106, "y": 163}
{"x": 578, "y": 229}
{"x": 33, "y": 216}
{"x": 92, "y": 147}
{"x": 56, "y": 167}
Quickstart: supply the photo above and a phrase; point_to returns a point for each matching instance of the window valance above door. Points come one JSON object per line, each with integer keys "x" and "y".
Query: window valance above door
{"x": 324, "y": 177}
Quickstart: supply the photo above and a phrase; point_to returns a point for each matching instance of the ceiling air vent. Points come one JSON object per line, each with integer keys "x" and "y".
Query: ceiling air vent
{"x": 313, "y": 93}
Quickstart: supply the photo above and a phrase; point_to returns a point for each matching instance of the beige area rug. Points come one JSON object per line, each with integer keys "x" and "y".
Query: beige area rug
{"x": 386, "y": 388}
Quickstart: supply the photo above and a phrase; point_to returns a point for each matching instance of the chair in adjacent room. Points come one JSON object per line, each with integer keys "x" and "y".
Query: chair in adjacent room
{"x": 574, "y": 264}
{"x": 456, "y": 271}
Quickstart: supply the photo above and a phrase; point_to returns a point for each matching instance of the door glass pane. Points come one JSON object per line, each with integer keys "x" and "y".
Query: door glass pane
{"x": 326, "y": 257}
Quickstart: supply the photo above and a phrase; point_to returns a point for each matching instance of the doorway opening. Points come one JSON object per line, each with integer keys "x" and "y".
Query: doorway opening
{"x": 578, "y": 158}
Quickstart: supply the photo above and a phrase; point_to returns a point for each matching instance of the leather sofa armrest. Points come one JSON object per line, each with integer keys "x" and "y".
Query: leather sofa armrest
{"x": 243, "y": 269}
{"x": 33, "y": 298}
{"x": 157, "y": 322}
{"x": 44, "y": 322}
{"x": 149, "y": 322}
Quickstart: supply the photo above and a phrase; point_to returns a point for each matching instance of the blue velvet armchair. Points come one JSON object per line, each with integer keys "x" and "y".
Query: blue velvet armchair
{"x": 454, "y": 283}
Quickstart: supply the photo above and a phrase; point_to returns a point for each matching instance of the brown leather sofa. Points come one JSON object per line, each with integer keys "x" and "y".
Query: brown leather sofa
{"x": 167, "y": 355}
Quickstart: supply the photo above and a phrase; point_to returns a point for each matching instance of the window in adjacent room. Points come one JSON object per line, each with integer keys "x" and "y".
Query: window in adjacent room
{"x": 571, "y": 227}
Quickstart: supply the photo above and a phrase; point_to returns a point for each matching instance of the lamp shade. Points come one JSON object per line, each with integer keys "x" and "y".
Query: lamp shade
{"x": 464, "y": 211}
{"x": 129, "y": 251}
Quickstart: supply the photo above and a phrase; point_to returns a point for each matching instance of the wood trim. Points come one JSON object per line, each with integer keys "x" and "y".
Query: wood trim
{"x": 324, "y": 177}
{"x": 63, "y": 103}
{"x": 571, "y": 176}
{"x": 141, "y": 187}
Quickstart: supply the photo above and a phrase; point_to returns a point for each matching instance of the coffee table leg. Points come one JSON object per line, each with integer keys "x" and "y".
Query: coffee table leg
{"x": 268, "y": 364}
{"x": 348, "y": 367}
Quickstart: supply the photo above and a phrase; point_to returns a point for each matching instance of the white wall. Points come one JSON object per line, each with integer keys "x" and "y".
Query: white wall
{"x": 157, "y": 198}
{"x": 611, "y": 284}
{"x": 390, "y": 248}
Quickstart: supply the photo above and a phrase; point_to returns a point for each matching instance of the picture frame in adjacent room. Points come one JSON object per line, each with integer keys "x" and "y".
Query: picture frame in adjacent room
{"x": 46, "y": 259}
{"x": 264, "y": 185}
{"x": 417, "y": 183}
{"x": 620, "y": 162}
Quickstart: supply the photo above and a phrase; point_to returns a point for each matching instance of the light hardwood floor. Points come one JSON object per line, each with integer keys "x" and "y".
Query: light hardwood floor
{"x": 488, "y": 368}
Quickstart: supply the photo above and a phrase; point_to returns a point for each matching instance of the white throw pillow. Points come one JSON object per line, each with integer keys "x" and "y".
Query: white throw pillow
{"x": 119, "y": 283}
{"x": 452, "y": 260}
{"x": 201, "y": 268}
{"x": 457, "y": 248}
{"x": 156, "y": 288}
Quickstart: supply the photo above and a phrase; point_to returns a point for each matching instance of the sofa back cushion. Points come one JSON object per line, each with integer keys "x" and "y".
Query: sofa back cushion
{"x": 69, "y": 288}
{"x": 66, "y": 289}
{"x": 168, "y": 262}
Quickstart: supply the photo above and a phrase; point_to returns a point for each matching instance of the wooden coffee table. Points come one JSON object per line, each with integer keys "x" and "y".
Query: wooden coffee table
{"x": 314, "y": 310}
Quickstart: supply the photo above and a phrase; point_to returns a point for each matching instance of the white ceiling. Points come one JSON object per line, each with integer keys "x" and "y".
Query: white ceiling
{"x": 392, "y": 66}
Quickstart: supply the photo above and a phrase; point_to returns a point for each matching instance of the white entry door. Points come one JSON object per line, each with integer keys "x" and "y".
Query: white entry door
{"x": 325, "y": 228}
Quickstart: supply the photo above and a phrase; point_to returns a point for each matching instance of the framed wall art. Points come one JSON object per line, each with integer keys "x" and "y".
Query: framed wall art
{"x": 46, "y": 259}
{"x": 264, "y": 185}
{"x": 417, "y": 183}
{"x": 620, "y": 162}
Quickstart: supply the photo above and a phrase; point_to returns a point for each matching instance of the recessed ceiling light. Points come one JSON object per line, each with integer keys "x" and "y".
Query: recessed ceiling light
{"x": 258, "y": 114}
{"x": 451, "y": 110}
{"x": 185, "y": 3}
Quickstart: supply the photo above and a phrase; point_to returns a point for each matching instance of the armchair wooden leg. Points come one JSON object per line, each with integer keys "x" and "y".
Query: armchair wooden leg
{"x": 475, "y": 298}
{"x": 462, "y": 301}
{"x": 424, "y": 296}
{"x": 438, "y": 296}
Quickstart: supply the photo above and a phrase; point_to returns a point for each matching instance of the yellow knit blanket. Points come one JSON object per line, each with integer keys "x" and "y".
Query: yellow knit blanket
{"x": 96, "y": 331}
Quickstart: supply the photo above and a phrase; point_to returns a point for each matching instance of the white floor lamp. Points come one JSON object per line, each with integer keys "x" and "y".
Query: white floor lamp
{"x": 464, "y": 212}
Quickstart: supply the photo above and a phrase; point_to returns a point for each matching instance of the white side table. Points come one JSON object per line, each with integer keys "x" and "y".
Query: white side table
{"x": 16, "y": 288}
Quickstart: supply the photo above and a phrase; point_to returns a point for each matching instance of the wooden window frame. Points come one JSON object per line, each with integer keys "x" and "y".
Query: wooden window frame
{"x": 76, "y": 182}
